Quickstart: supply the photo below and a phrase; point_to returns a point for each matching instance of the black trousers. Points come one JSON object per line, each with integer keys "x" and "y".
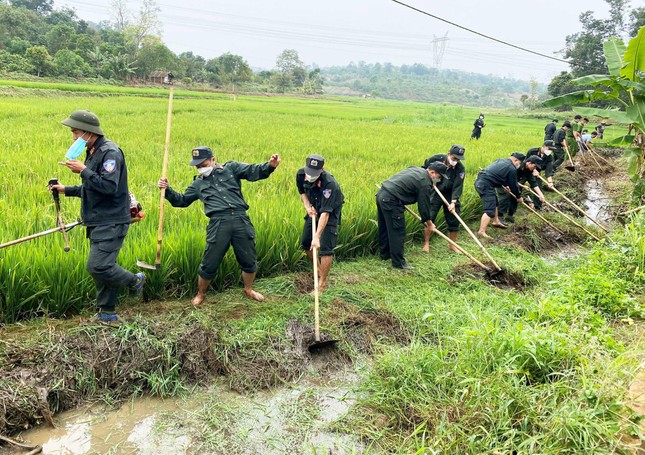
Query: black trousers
{"x": 560, "y": 156}
{"x": 391, "y": 227}
{"x": 109, "y": 277}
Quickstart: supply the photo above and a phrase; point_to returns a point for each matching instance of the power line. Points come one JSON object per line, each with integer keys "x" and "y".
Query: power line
{"x": 478, "y": 33}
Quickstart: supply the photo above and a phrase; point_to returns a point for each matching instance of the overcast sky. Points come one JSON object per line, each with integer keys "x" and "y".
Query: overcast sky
{"x": 336, "y": 32}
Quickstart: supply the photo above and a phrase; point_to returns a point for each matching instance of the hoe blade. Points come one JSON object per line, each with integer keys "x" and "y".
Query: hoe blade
{"x": 145, "y": 265}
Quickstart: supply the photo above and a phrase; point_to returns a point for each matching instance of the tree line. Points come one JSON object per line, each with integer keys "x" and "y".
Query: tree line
{"x": 584, "y": 50}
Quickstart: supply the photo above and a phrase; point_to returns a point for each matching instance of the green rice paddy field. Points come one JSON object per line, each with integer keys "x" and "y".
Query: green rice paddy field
{"x": 363, "y": 142}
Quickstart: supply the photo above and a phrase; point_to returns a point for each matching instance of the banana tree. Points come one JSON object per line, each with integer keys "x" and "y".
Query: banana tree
{"x": 624, "y": 90}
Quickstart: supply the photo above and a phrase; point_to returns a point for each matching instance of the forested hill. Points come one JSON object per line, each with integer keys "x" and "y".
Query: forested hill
{"x": 421, "y": 83}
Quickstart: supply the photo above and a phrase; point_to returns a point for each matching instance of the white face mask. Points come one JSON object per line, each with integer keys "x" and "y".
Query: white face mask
{"x": 452, "y": 162}
{"x": 517, "y": 166}
{"x": 547, "y": 152}
{"x": 436, "y": 180}
{"x": 205, "y": 171}
{"x": 310, "y": 178}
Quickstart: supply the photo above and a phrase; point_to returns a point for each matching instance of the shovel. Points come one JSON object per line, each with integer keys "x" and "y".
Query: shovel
{"x": 317, "y": 345}
{"x": 575, "y": 205}
{"x": 571, "y": 220}
{"x": 489, "y": 272}
{"x": 533, "y": 211}
{"x": 571, "y": 166}
{"x": 162, "y": 199}
{"x": 472, "y": 234}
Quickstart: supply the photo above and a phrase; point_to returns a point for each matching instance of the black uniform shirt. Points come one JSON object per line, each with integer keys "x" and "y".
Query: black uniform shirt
{"x": 324, "y": 195}
{"x": 501, "y": 172}
{"x": 457, "y": 173}
{"x": 414, "y": 185}
{"x": 222, "y": 189}
{"x": 559, "y": 136}
{"x": 104, "y": 194}
{"x": 526, "y": 176}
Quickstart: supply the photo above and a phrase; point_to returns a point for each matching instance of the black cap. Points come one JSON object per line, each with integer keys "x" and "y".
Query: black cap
{"x": 578, "y": 116}
{"x": 567, "y": 124}
{"x": 439, "y": 167}
{"x": 519, "y": 155}
{"x": 549, "y": 143}
{"x": 555, "y": 120}
{"x": 458, "y": 152}
{"x": 314, "y": 165}
{"x": 534, "y": 159}
{"x": 200, "y": 154}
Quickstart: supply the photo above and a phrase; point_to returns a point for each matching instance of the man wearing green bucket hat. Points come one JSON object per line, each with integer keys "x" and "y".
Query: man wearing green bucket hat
{"x": 105, "y": 207}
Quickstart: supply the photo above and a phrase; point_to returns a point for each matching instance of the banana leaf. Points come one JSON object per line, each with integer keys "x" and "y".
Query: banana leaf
{"x": 636, "y": 112}
{"x": 634, "y": 57}
{"x": 614, "y": 49}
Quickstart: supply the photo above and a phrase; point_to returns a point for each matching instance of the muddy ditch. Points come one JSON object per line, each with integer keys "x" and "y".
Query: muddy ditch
{"x": 67, "y": 368}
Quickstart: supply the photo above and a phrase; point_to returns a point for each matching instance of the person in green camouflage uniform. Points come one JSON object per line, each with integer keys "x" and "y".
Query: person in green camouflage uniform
{"x": 219, "y": 188}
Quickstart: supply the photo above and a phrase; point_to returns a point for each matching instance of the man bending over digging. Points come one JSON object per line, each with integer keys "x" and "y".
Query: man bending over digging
{"x": 219, "y": 188}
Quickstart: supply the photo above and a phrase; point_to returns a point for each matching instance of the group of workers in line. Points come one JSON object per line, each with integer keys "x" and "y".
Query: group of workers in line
{"x": 105, "y": 206}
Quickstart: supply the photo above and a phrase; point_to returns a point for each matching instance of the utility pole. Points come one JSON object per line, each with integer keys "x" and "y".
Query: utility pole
{"x": 438, "y": 49}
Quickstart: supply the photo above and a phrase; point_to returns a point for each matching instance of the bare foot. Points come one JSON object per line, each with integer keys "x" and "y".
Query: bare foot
{"x": 500, "y": 225}
{"x": 452, "y": 248}
{"x": 198, "y": 300}
{"x": 483, "y": 235}
{"x": 254, "y": 295}
{"x": 426, "y": 248}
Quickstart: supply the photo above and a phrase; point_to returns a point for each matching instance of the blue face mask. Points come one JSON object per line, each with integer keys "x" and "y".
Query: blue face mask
{"x": 76, "y": 148}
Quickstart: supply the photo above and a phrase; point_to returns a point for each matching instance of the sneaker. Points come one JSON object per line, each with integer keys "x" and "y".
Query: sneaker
{"x": 138, "y": 284}
{"x": 508, "y": 219}
{"x": 404, "y": 266}
{"x": 105, "y": 318}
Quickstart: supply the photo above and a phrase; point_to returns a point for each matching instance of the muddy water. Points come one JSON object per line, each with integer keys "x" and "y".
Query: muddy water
{"x": 93, "y": 430}
{"x": 597, "y": 204}
{"x": 293, "y": 419}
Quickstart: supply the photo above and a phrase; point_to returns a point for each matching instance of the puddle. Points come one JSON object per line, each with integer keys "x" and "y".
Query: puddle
{"x": 292, "y": 419}
{"x": 597, "y": 204}
{"x": 93, "y": 430}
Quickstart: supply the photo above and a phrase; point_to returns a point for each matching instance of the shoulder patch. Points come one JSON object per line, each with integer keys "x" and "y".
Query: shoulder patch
{"x": 109, "y": 165}
{"x": 462, "y": 175}
{"x": 327, "y": 193}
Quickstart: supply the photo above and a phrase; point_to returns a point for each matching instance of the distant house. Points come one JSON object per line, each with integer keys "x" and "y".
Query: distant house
{"x": 161, "y": 77}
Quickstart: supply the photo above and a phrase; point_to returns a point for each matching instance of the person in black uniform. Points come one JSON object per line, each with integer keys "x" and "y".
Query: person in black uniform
{"x": 525, "y": 174}
{"x": 411, "y": 185}
{"x": 478, "y": 125}
{"x": 550, "y": 129}
{"x": 560, "y": 139}
{"x": 546, "y": 153}
{"x": 321, "y": 196}
{"x": 105, "y": 209}
{"x": 453, "y": 187}
{"x": 219, "y": 187}
{"x": 502, "y": 172}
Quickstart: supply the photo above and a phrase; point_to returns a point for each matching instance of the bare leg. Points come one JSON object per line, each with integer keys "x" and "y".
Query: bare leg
{"x": 453, "y": 237}
{"x": 248, "y": 279}
{"x": 483, "y": 225}
{"x": 323, "y": 271}
{"x": 426, "y": 241}
{"x": 496, "y": 221}
{"x": 202, "y": 287}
